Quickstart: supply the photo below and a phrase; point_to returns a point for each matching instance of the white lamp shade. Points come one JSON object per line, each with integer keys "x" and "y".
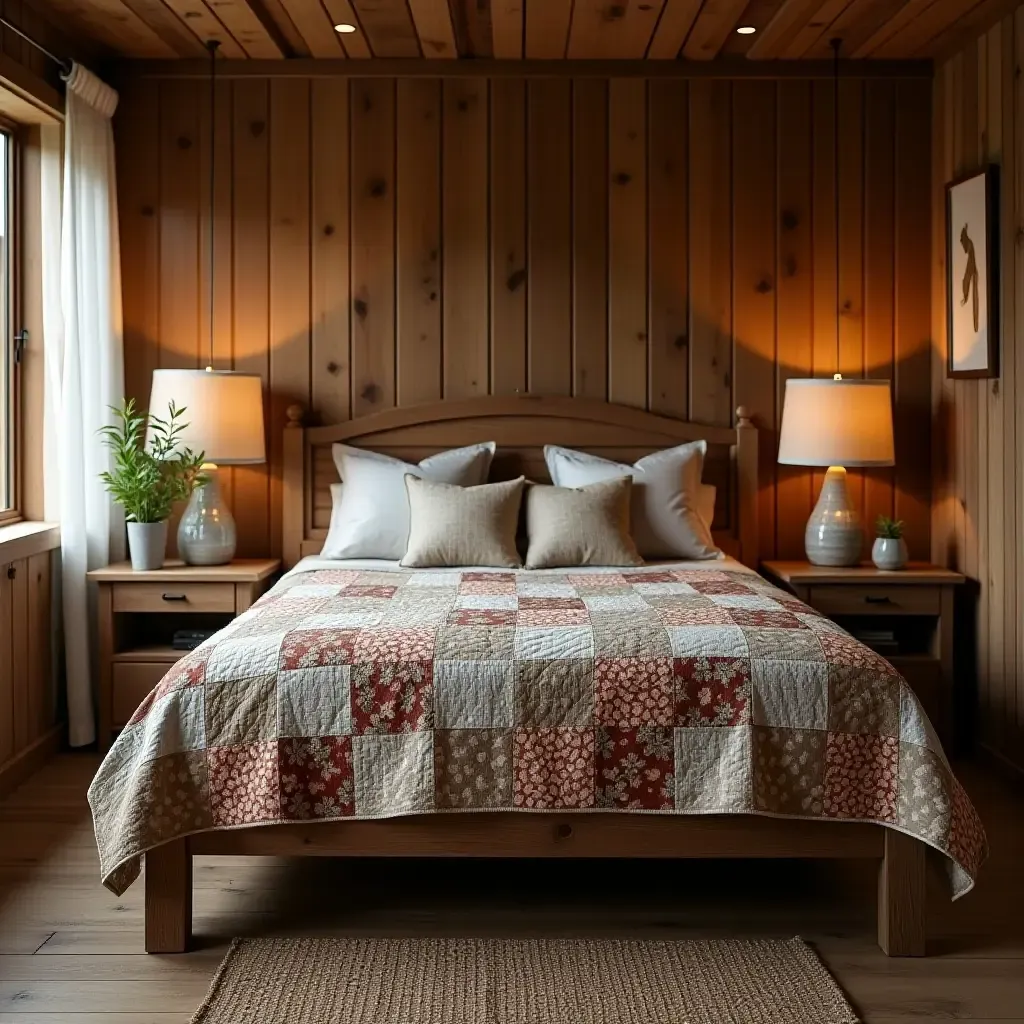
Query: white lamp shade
{"x": 224, "y": 412}
{"x": 836, "y": 423}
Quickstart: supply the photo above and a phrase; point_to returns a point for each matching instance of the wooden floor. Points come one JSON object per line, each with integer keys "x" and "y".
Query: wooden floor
{"x": 72, "y": 952}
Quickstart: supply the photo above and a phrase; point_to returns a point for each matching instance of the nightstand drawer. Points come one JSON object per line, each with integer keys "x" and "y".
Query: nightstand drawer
{"x": 173, "y": 597}
{"x": 131, "y": 682}
{"x": 904, "y": 599}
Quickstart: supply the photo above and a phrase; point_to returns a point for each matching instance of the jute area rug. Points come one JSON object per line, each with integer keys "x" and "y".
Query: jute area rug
{"x": 488, "y": 981}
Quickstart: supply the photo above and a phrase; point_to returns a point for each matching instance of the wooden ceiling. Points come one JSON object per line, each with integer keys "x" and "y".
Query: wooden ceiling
{"x": 534, "y": 29}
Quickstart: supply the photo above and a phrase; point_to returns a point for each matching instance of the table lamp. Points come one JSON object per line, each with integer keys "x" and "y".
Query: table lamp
{"x": 836, "y": 423}
{"x": 224, "y": 412}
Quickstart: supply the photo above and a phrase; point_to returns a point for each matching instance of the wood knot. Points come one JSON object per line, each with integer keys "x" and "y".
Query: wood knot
{"x": 614, "y": 12}
{"x": 462, "y": 105}
{"x": 328, "y": 230}
{"x": 433, "y": 296}
{"x": 367, "y": 103}
{"x": 680, "y": 342}
{"x": 847, "y": 306}
{"x": 789, "y": 220}
{"x": 370, "y": 393}
{"x": 148, "y": 211}
{"x": 763, "y": 287}
{"x": 995, "y": 388}
{"x": 257, "y": 128}
{"x": 361, "y": 308}
{"x": 641, "y": 335}
{"x": 184, "y": 142}
{"x": 378, "y": 187}
{"x": 332, "y": 368}
{"x": 789, "y": 266}
{"x": 516, "y": 280}
{"x": 622, "y": 178}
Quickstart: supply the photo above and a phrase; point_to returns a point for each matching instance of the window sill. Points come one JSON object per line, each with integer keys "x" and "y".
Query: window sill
{"x": 20, "y": 540}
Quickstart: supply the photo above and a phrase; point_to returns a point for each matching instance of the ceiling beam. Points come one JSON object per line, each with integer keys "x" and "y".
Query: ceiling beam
{"x": 113, "y": 25}
{"x": 239, "y": 18}
{"x": 206, "y": 26}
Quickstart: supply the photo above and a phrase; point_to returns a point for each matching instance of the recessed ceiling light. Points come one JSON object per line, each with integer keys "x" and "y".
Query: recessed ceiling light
{"x": 746, "y": 30}
{"x": 344, "y": 29}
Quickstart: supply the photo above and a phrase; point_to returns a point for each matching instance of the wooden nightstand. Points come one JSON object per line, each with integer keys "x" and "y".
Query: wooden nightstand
{"x": 140, "y": 611}
{"x": 907, "y": 616}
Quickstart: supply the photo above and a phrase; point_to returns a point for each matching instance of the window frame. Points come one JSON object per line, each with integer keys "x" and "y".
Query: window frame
{"x": 13, "y": 130}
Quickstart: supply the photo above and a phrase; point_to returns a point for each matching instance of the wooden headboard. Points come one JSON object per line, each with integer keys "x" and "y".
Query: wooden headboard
{"x": 520, "y": 426}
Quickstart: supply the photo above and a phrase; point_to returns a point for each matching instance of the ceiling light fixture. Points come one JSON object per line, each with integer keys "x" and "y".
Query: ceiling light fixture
{"x": 344, "y": 29}
{"x": 745, "y": 30}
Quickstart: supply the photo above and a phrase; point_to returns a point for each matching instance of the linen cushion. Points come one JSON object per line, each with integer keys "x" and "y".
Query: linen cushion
{"x": 463, "y": 525}
{"x": 580, "y": 526}
{"x": 666, "y": 484}
{"x": 370, "y": 507}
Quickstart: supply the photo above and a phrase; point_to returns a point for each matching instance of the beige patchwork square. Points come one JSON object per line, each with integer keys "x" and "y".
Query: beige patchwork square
{"x": 712, "y": 769}
{"x": 242, "y": 713}
{"x": 552, "y": 694}
{"x": 394, "y": 773}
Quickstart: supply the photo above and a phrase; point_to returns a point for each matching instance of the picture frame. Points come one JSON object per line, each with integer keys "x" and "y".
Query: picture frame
{"x": 972, "y": 275}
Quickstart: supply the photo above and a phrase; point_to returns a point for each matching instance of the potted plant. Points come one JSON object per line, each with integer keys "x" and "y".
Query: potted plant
{"x": 150, "y": 474}
{"x": 890, "y": 549}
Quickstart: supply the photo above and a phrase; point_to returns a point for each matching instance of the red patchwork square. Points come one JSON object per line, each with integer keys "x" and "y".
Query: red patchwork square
{"x": 311, "y": 648}
{"x": 630, "y": 692}
{"x": 190, "y": 671}
{"x": 317, "y": 779}
{"x": 712, "y": 691}
{"x": 636, "y": 768}
{"x": 244, "y": 788}
{"x": 842, "y": 649}
{"x": 560, "y": 603}
{"x": 389, "y": 697}
{"x": 791, "y": 604}
{"x": 719, "y": 586}
{"x": 488, "y": 577}
{"x": 394, "y": 645}
{"x": 683, "y": 615}
{"x": 861, "y": 776}
{"x": 553, "y": 617}
{"x": 358, "y": 591}
{"x": 482, "y": 617}
{"x": 767, "y": 618}
{"x": 491, "y": 587}
{"x": 596, "y": 580}
{"x": 553, "y": 768}
{"x": 652, "y": 577}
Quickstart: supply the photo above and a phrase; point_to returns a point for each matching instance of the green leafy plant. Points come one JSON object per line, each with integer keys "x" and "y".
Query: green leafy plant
{"x": 148, "y": 480}
{"x": 886, "y": 527}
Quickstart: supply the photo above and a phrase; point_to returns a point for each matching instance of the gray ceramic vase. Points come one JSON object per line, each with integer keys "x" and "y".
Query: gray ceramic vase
{"x": 889, "y": 553}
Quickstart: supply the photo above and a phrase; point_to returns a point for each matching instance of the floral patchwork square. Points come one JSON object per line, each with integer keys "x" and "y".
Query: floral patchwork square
{"x": 189, "y": 672}
{"x": 554, "y": 693}
{"x": 712, "y": 691}
{"x": 481, "y": 617}
{"x": 367, "y": 591}
{"x": 473, "y": 768}
{"x": 693, "y": 615}
{"x": 473, "y": 694}
{"x": 591, "y": 580}
{"x": 924, "y": 805}
{"x": 721, "y": 585}
{"x": 394, "y": 645}
{"x": 632, "y": 692}
{"x": 860, "y": 701}
{"x": 487, "y": 583}
{"x": 652, "y": 576}
{"x": 842, "y": 649}
{"x": 175, "y": 794}
{"x": 244, "y": 784}
{"x": 314, "y": 702}
{"x": 317, "y": 778}
{"x": 762, "y": 617}
{"x": 553, "y": 768}
{"x": 635, "y": 768}
{"x": 861, "y": 776}
{"x": 241, "y": 713}
{"x": 789, "y": 770}
{"x": 308, "y": 648}
{"x": 553, "y": 617}
{"x": 394, "y": 773}
{"x": 393, "y": 697}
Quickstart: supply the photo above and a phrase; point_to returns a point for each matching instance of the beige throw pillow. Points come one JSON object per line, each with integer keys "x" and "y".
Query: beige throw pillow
{"x": 580, "y": 525}
{"x": 451, "y": 526}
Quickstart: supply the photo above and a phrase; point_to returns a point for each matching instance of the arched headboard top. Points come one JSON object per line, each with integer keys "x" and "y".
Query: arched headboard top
{"x": 520, "y": 425}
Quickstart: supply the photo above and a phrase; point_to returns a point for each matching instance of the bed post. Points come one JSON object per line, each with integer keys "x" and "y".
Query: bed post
{"x": 902, "y": 896}
{"x": 746, "y": 487}
{"x": 169, "y": 897}
{"x": 293, "y": 501}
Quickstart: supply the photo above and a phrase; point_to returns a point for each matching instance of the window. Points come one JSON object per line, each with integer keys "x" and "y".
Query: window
{"x": 8, "y": 351}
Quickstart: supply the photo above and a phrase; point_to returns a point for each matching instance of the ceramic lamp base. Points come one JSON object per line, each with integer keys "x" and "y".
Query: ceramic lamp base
{"x": 206, "y": 533}
{"x": 834, "y": 535}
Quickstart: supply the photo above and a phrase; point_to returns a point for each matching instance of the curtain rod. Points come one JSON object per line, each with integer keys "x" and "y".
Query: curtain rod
{"x": 64, "y": 65}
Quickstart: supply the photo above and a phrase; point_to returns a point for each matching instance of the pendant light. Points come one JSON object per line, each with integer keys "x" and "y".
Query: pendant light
{"x": 224, "y": 410}
{"x": 836, "y": 422}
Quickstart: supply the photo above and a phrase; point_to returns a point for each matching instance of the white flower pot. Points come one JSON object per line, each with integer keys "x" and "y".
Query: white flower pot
{"x": 147, "y": 543}
{"x": 889, "y": 552}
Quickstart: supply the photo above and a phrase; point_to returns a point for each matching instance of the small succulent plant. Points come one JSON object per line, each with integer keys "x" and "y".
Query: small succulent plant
{"x": 886, "y": 527}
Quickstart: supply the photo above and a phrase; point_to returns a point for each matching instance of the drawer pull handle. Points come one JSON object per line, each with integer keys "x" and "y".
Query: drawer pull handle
{"x": 878, "y": 600}
{"x": 174, "y": 597}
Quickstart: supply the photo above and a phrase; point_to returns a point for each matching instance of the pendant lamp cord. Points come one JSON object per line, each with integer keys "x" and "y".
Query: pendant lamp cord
{"x": 836, "y": 44}
{"x": 212, "y": 46}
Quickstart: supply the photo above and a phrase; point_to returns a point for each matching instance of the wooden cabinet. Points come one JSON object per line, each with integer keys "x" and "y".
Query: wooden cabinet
{"x": 139, "y": 613}
{"x": 28, "y": 694}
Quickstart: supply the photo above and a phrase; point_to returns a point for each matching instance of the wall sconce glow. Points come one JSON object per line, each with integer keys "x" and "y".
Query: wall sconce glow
{"x": 745, "y": 30}
{"x": 344, "y": 29}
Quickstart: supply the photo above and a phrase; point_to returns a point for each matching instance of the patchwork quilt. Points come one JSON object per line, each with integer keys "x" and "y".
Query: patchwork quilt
{"x": 346, "y": 693}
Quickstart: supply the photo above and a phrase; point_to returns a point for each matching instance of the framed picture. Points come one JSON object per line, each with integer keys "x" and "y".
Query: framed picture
{"x": 972, "y": 275}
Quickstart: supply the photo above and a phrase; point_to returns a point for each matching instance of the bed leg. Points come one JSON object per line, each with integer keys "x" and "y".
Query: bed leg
{"x": 902, "y": 903}
{"x": 169, "y": 898}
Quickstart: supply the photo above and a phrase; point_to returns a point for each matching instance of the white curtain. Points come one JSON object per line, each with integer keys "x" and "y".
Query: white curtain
{"x": 84, "y": 363}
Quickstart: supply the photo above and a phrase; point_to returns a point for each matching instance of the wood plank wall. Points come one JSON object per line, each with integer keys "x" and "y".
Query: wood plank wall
{"x": 979, "y": 424}
{"x": 664, "y": 244}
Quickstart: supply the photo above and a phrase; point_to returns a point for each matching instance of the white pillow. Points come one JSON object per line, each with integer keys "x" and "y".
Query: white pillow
{"x": 370, "y": 507}
{"x": 706, "y": 494}
{"x": 665, "y": 519}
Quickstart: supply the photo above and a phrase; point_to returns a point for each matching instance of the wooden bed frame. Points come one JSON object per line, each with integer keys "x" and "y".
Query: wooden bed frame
{"x": 521, "y": 426}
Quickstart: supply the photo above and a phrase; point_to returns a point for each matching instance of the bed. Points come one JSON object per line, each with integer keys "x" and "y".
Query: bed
{"x": 678, "y": 710}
